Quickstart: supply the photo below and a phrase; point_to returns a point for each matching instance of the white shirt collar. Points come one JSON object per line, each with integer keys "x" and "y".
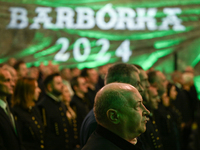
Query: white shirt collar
{"x": 3, "y": 104}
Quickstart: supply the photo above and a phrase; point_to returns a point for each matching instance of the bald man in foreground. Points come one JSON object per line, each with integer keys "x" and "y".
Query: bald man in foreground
{"x": 121, "y": 118}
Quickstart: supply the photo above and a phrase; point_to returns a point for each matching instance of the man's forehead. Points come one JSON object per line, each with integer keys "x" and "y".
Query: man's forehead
{"x": 143, "y": 75}
{"x": 135, "y": 76}
{"x": 4, "y": 74}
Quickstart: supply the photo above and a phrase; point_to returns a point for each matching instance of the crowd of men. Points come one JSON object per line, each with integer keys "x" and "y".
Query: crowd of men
{"x": 116, "y": 106}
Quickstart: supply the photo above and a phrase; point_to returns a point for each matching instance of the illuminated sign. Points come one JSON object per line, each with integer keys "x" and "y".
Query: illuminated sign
{"x": 120, "y": 18}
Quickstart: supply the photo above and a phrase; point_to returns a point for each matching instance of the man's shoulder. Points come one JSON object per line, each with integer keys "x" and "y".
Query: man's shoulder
{"x": 98, "y": 142}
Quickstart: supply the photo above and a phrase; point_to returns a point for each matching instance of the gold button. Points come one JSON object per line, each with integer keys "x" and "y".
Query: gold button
{"x": 38, "y": 126}
{"x": 75, "y": 129}
{"x": 33, "y": 118}
{"x": 154, "y": 122}
{"x": 156, "y": 147}
{"x": 42, "y": 141}
{"x": 63, "y": 119}
{"x": 158, "y": 138}
{"x": 65, "y": 130}
{"x": 168, "y": 116}
{"x": 76, "y": 137}
{"x": 74, "y": 121}
{"x": 62, "y": 114}
{"x": 36, "y": 122}
{"x": 66, "y": 135}
{"x": 64, "y": 125}
{"x": 60, "y": 108}
{"x": 66, "y": 141}
{"x": 151, "y": 134}
{"x": 156, "y": 130}
{"x": 42, "y": 146}
{"x": 40, "y": 131}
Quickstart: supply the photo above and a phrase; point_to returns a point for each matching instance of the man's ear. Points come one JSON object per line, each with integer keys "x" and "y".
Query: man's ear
{"x": 49, "y": 87}
{"x": 113, "y": 116}
{"x": 154, "y": 85}
{"x": 75, "y": 87}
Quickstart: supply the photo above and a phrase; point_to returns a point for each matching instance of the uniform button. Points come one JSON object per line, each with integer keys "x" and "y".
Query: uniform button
{"x": 42, "y": 141}
{"x": 64, "y": 125}
{"x": 60, "y": 108}
{"x": 168, "y": 116}
{"x": 67, "y": 146}
{"x": 67, "y": 141}
{"x": 75, "y": 125}
{"x": 65, "y": 130}
{"x": 154, "y": 122}
{"x": 16, "y": 118}
{"x": 156, "y": 130}
{"x": 156, "y": 147}
{"x": 40, "y": 131}
{"x": 75, "y": 129}
{"x": 151, "y": 134}
{"x": 66, "y": 135}
{"x": 36, "y": 122}
{"x": 74, "y": 121}
{"x": 157, "y": 138}
{"x": 62, "y": 114}
{"x": 41, "y": 146}
{"x": 38, "y": 126}
{"x": 76, "y": 137}
{"x": 41, "y": 136}
{"x": 33, "y": 118}
{"x": 63, "y": 119}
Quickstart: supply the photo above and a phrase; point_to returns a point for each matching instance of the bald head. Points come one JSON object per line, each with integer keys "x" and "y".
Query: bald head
{"x": 114, "y": 109}
{"x": 111, "y": 96}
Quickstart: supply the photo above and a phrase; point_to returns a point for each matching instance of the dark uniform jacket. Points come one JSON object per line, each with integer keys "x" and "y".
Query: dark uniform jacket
{"x": 151, "y": 137}
{"x": 88, "y": 127}
{"x": 82, "y": 107}
{"x": 103, "y": 139}
{"x": 30, "y": 127}
{"x": 8, "y": 138}
{"x": 57, "y": 131}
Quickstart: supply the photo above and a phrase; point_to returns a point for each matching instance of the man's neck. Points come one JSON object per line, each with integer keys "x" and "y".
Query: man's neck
{"x": 91, "y": 86}
{"x": 3, "y": 98}
{"x": 81, "y": 95}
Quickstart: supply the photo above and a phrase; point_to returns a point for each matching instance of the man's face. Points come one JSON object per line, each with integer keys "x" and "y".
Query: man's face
{"x": 37, "y": 91}
{"x": 154, "y": 99}
{"x": 67, "y": 74}
{"x": 145, "y": 83}
{"x": 161, "y": 83}
{"x": 82, "y": 85}
{"x": 6, "y": 83}
{"x": 57, "y": 86}
{"x": 134, "y": 114}
{"x": 92, "y": 76}
{"x": 135, "y": 81}
{"x": 22, "y": 72}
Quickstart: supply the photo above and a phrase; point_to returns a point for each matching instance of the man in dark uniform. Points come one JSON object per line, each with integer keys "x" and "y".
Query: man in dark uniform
{"x": 8, "y": 135}
{"x": 54, "y": 115}
{"x": 121, "y": 118}
{"x": 163, "y": 119}
{"x": 119, "y": 72}
{"x": 151, "y": 137}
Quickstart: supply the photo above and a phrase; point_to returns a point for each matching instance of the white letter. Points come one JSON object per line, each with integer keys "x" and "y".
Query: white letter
{"x": 42, "y": 18}
{"x": 85, "y": 18}
{"x": 65, "y": 18}
{"x": 172, "y": 19}
{"x": 18, "y": 14}
{"x": 100, "y": 17}
{"x": 149, "y": 18}
{"x": 126, "y": 15}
